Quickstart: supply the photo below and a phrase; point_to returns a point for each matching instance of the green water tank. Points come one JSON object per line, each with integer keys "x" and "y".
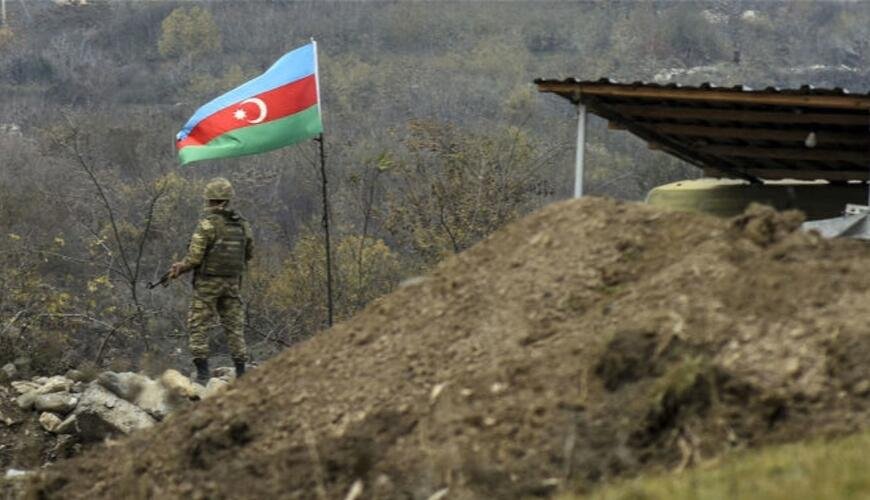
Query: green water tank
{"x": 729, "y": 197}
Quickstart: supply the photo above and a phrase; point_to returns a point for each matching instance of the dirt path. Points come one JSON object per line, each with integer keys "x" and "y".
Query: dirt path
{"x": 591, "y": 340}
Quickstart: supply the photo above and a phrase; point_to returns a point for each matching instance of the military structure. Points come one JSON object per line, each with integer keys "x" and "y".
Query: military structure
{"x": 802, "y": 148}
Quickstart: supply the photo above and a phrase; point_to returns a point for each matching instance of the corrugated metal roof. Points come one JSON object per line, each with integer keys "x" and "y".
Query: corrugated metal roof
{"x": 773, "y": 133}
{"x": 802, "y": 90}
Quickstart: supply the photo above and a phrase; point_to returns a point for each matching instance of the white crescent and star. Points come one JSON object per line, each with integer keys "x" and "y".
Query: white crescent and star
{"x": 240, "y": 113}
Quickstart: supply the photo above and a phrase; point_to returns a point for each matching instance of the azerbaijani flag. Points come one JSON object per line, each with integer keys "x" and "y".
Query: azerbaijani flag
{"x": 278, "y": 108}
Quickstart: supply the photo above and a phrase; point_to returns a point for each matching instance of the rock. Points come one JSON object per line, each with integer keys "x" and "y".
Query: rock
{"x": 22, "y": 363}
{"x": 101, "y": 414}
{"x": 16, "y": 473}
{"x": 26, "y": 400}
{"x": 24, "y": 386}
{"x": 68, "y": 426}
{"x": 862, "y": 388}
{"x": 9, "y": 371}
{"x": 66, "y": 446}
{"x": 57, "y": 402}
{"x": 155, "y": 399}
{"x": 58, "y": 383}
{"x": 8, "y": 421}
{"x": 414, "y": 281}
{"x": 49, "y": 421}
{"x": 75, "y": 375}
{"x": 225, "y": 372}
{"x": 356, "y": 490}
{"x": 126, "y": 385}
{"x": 498, "y": 388}
{"x": 215, "y": 386}
{"x": 436, "y": 391}
{"x": 179, "y": 385}
{"x": 438, "y": 495}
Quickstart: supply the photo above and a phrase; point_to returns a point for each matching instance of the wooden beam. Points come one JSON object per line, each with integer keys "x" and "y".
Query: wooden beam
{"x": 731, "y": 96}
{"x": 809, "y": 175}
{"x": 735, "y": 115}
{"x": 800, "y": 154}
{"x": 763, "y": 134}
{"x": 673, "y": 147}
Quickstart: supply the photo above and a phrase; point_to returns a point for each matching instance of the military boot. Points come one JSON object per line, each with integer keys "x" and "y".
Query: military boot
{"x": 240, "y": 367}
{"x": 202, "y": 373}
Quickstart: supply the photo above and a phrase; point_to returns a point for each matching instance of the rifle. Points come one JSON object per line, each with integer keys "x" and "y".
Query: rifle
{"x": 163, "y": 281}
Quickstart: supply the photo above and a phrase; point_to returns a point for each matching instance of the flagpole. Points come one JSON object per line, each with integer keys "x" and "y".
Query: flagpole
{"x": 325, "y": 222}
{"x": 325, "y": 194}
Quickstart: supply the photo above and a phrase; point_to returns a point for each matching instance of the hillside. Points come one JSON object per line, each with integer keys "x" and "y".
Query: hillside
{"x": 589, "y": 341}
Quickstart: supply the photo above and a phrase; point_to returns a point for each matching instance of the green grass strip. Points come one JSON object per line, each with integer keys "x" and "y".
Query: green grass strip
{"x": 838, "y": 469}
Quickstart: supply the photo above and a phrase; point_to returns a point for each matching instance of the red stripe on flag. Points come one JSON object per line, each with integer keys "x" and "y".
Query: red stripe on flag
{"x": 279, "y": 102}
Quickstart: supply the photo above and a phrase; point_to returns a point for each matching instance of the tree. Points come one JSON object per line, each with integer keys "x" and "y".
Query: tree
{"x": 189, "y": 32}
{"x": 456, "y": 188}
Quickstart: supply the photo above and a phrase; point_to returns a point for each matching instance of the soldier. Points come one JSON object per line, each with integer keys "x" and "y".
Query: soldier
{"x": 219, "y": 251}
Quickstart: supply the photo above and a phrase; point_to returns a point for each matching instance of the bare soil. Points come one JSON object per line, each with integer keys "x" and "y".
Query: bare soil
{"x": 591, "y": 340}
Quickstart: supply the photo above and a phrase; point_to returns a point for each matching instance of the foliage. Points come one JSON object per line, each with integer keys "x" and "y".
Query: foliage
{"x": 189, "y": 32}
{"x": 364, "y": 269}
{"x": 454, "y": 188}
{"x": 205, "y": 86}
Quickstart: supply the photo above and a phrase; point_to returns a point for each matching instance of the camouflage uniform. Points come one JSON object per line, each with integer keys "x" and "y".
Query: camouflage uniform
{"x": 216, "y": 293}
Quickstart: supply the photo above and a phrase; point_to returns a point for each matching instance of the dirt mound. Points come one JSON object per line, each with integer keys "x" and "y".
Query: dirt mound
{"x": 591, "y": 340}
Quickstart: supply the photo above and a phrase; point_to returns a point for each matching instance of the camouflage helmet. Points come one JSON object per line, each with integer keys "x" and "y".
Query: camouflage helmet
{"x": 219, "y": 189}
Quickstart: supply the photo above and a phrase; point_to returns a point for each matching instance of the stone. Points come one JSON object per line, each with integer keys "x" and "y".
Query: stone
{"x": 68, "y": 426}
{"x": 215, "y": 386}
{"x": 16, "y": 473}
{"x": 438, "y": 495}
{"x": 126, "y": 385}
{"x": 9, "y": 371}
{"x": 22, "y": 363}
{"x": 356, "y": 490}
{"x": 155, "y": 399}
{"x": 224, "y": 372}
{"x": 25, "y": 386}
{"x": 26, "y": 400}
{"x": 75, "y": 375}
{"x": 58, "y": 383}
{"x": 49, "y": 421}
{"x": 101, "y": 414}
{"x": 8, "y": 421}
{"x": 57, "y": 402}
{"x": 436, "y": 391}
{"x": 179, "y": 385}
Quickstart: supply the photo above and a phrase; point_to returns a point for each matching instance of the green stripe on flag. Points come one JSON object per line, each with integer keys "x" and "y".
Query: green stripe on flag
{"x": 258, "y": 138}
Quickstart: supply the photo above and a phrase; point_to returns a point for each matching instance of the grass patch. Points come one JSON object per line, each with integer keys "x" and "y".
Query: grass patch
{"x": 835, "y": 469}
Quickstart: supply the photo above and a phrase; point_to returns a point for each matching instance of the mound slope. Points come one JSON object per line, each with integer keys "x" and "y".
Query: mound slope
{"x": 590, "y": 340}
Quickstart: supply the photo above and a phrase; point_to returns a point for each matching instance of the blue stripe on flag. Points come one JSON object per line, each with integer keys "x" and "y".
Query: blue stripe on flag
{"x": 292, "y": 66}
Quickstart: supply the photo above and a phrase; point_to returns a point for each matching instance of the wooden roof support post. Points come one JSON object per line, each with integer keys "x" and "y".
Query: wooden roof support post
{"x": 581, "y": 149}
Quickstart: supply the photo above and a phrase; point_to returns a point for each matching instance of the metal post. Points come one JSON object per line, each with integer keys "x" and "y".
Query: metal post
{"x": 3, "y": 9}
{"x": 581, "y": 149}
{"x": 327, "y": 245}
